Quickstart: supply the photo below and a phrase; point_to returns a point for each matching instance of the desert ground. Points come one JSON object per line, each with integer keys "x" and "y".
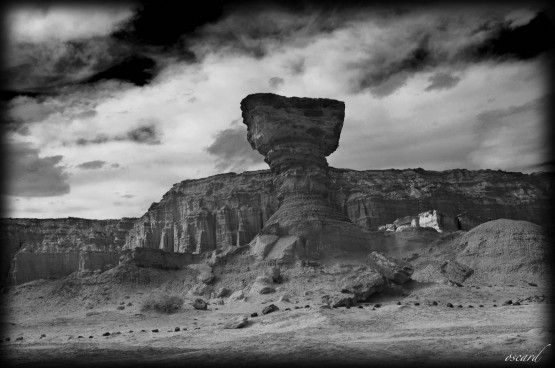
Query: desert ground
{"x": 53, "y": 322}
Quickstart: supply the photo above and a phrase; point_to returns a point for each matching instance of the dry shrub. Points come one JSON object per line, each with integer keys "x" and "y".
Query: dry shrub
{"x": 163, "y": 303}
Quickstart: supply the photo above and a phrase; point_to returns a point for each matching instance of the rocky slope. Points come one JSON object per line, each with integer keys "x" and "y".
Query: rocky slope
{"x": 230, "y": 209}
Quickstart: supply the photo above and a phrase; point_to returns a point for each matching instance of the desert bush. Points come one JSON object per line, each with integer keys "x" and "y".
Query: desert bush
{"x": 163, "y": 303}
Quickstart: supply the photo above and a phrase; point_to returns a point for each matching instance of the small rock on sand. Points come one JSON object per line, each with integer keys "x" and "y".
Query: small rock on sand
{"x": 237, "y": 322}
{"x": 199, "y": 304}
{"x": 269, "y": 309}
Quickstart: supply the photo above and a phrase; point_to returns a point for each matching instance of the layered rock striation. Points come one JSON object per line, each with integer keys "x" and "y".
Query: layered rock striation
{"x": 54, "y": 247}
{"x": 232, "y": 208}
{"x": 295, "y": 135}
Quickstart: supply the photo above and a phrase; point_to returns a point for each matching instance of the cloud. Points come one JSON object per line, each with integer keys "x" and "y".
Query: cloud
{"x": 65, "y": 22}
{"x": 442, "y": 81}
{"x": 50, "y": 47}
{"x": 145, "y": 134}
{"x": 512, "y": 138}
{"x": 92, "y": 165}
{"x": 32, "y": 176}
{"x": 275, "y": 82}
{"x": 232, "y": 150}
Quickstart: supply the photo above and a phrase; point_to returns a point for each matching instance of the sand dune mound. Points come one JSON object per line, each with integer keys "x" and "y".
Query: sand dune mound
{"x": 506, "y": 251}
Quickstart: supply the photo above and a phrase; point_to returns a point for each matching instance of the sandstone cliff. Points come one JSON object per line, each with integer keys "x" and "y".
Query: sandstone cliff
{"x": 51, "y": 246}
{"x": 230, "y": 209}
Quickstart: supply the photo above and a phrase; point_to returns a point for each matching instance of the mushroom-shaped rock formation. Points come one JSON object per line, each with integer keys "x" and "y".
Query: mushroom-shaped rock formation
{"x": 295, "y": 135}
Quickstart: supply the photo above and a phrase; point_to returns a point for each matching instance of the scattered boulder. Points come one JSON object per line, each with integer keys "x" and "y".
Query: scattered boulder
{"x": 267, "y": 290}
{"x": 449, "y": 305}
{"x": 199, "y": 304}
{"x": 284, "y": 298}
{"x": 237, "y": 322}
{"x": 364, "y": 284}
{"x": 238, "y": 295}
{"x": 155, "y": 330}
{"x": 532, "y": 284}
{"x": 177, "y": 329}
{"x": 106, "y": 334}
{"x": 19, "y": 338}
{"x": 269, "y": 309}
{"x": 254, "y": 314}
{"x": 397, "y": 271}
{"x": 456, "y": 272}
{"x": 274, "y": 274}
{"x": 205, "y": 275}
{"x": 41, "y": 336}
{"x": 222, "y": 292}
{"x": 121, "y": 307}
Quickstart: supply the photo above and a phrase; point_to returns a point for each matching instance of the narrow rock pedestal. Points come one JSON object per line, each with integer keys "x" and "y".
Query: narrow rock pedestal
{"x": 295, "y": 135}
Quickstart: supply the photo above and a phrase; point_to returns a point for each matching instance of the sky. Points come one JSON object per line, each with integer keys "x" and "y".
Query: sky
{"x": 107, "y": 105}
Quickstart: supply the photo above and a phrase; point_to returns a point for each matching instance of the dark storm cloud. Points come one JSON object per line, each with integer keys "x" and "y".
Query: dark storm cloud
{"x": 92, "y": 165}
{"x": 232, "y": 150}
{"x": 505, "y": 40}
{"x": 33, "y": 176}
{"x": 275, "y": 82}
{"x": 446, "y": 40}
{"x": 71, "y": 44}
{"x": 442, "y": 81}
{"x": 46, "y": 66}
{"x": 256, "y": 29}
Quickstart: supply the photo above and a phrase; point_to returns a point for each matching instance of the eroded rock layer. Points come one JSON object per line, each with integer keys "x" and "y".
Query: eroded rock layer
{"x": 230, "y": 209}
{"x": 45, "y": 245}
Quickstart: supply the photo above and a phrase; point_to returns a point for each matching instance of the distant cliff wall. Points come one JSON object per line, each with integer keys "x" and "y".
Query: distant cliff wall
{"x": 28, "y": 266}
{"x": 229, "y": 209}
{"x": 61, "y": 236}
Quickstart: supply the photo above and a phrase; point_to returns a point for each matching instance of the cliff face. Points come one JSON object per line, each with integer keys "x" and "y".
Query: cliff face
{"x": 205, "y": 214}
{"x": 230, "y": 209}
{"x": 100, "y": 238}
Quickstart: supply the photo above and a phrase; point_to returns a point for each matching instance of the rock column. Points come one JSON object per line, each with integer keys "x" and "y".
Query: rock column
{"x": 295, "y": 135}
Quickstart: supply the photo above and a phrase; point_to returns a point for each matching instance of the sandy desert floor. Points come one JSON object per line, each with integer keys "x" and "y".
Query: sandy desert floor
{"x": 405, "y": 334}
